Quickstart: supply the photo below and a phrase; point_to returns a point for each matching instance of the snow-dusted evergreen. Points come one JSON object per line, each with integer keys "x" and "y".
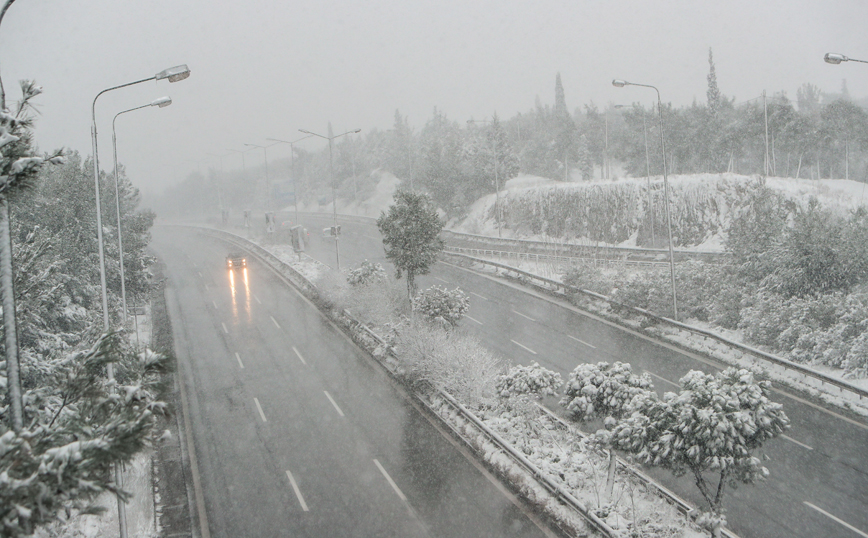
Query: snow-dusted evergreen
{"x": 440, "y": 305}
{"x": 714, "y": 426}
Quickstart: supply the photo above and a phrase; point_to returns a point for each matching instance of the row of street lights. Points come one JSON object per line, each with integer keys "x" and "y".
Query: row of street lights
{"x": 173, "y": 74}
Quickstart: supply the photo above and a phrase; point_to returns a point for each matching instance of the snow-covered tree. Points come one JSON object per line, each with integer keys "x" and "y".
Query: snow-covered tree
{"x": 604, "y": 391}
{"x": 440, "y": 305}
{"x": 19, "y": 166}
{"x": 713, "y": 427}
{"x": 411, "y": 235}
{"x": 79, "y": 424}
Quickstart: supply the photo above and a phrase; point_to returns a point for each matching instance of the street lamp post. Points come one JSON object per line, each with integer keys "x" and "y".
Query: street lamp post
{"x": 334, "y": 192}
{"x": 292, "y": 168}
{"x": 620, "y": 84}
{"x": 173, "y": 74}
{"x": 648, "y": 176}
{"x": 496, "y": 180}
{"x": 162, "y": 102}
{"x": 269, "y": 199}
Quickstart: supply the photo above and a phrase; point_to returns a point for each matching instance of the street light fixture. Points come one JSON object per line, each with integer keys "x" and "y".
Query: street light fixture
{"x": 292, "y": 167}
{"x": 496, "y": 180}
{"x": 162, "y": 102}
{"x": 835, "y": 59}
{"x": 173, "y": 74}
{"x": 620, "y": 84}
{"x": 334, "y": 192}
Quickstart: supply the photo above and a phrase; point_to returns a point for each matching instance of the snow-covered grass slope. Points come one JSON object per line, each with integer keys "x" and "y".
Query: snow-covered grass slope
{"x": 618, "y": 212}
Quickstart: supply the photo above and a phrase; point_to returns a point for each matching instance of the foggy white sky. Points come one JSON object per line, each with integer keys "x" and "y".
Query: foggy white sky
{"x": 265, "y": 68}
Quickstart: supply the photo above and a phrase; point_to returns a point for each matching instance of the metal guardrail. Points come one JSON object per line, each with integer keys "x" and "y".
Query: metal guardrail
{"x": 550, "y": 284}
{"x": 568, "y": 260}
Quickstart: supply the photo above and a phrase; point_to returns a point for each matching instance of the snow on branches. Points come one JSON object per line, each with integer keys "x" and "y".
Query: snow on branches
{"x": 715, "y": 425}
{"x": 534, "y": 380}
{"x": 437, "y": 304}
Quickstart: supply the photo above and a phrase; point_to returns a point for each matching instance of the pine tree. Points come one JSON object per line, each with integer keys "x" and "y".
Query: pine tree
{"x": 584, "y": 159}
{"x": 713, "y": 92}
{"x": 411, "y": 235}
{"x": 564, "y": 130}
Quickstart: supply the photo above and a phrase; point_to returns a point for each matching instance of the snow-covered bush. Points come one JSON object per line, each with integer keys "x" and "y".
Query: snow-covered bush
{"x": 714, "y": 425}
{"x": 367, "y": 273}
{"x": 437, "y": 304}
{"x": 586, "y": 277}
{"x": 532, "y": 381}
{"x": 454, "y": 361}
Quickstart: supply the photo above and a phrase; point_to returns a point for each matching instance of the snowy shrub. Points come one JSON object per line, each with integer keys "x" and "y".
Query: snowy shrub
{"x": 714, "y": 425}
{"x": 586, "y": 277}
{"x": 456, "y": 362}
{"x": 534, "y": 381}
{"x": 438, "y": 304}
{"x": 367, "y": 273}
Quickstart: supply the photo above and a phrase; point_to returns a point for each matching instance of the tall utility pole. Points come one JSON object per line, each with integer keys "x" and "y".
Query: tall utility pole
{"x": 292, "y": 168}
{"x": 766, "y": 117}
{"x": 497, "y": 209}
{"x": 648, "y": 176}
{"x": 334, "y": 190}
{"x": 269, "y": 200}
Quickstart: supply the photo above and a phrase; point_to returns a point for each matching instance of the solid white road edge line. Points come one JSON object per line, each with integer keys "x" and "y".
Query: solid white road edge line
{"x": 297, "y": 354}
{"x": 529, "y": 350}
{"x": 391, "y": 482}
{"x": 803, "y": 445}
{"x": 261, "y": 414}
{"x": 473, "y": 320}
{"x": 522, "y": 315}
{"x": 827, "y": 514}
{"x": 237, "y": 356}
{"x": 582, "y": 342}
{"x": 332, "y": 400}
{"x": 480, "y": 296}
{"x": 297, "y": 491}
{"x": 225, "y": 330}
{"x": 274, "y": 321}
{"x": 441, "y": 280}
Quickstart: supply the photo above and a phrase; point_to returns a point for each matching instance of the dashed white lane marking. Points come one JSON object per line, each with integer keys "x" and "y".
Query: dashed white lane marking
{"x": 297, "y": 354}
{"x": 819, "y": 408}
{"x": 842, "y": 522}
{"x": 274, "y": 321}
{"x": 207, "y": 287}
{"x": 582, "y": 342}
{"x": 338, "y": 409}
{"x": 225, "y": 330}
{"x": 522, "y": 315}
{"x": 480, "y": 296}
{"x": 662, "y": 379}
{"x": 257, "y": 298}
{"x": 240, "y": 364}
{"x": 297, "y": 491}
{"x": 200, "y": 274}
{"x": 529, "y": 350}
{"x": 803, "y": 445}
{"x": 214, "y": 303}
{"x": 473, "y": 320}
{"x": 441, "y": 280}
{"x": 391, "y": 482}
{"x": 261, "y": 414}
{"x": 371, "y": 238}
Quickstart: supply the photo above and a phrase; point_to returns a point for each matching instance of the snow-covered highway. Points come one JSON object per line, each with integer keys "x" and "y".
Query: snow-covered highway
{"x": 819, "y": 470}
{"x": 296, "y": 432}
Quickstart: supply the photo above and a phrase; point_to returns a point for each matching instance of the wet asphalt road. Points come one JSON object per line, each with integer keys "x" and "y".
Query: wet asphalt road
{"x": 297, "y": 432}
{"x": 819, "y": 472}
